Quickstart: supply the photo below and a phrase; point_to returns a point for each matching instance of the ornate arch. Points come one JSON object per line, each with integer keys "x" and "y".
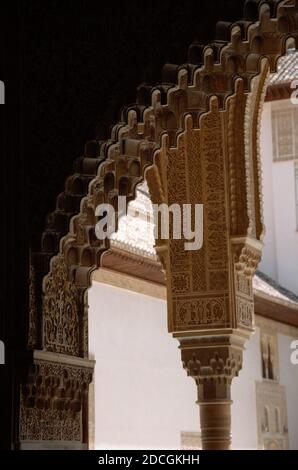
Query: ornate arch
{"x": 195, "y": 138}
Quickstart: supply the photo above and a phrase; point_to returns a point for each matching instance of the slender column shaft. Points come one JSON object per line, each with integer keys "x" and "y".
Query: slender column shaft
{"x": 216, "y": 425}
{"x": 213, "y": 361}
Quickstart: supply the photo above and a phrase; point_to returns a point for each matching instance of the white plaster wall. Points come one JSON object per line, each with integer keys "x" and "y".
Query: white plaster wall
{"x": 280, "y": 253}
{"x": 244, "y": 409}
{"x": 269, "y": 262}
{"x": 285, "y": 224}
{"x": 143, "y": 398}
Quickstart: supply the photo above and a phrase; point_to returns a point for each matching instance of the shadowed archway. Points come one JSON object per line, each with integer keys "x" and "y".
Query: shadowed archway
{"x": 196, "y": 139}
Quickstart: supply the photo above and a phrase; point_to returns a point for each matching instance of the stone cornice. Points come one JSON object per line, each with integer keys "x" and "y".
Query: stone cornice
{"x": 279, "y": 91}
{"x": 56, "y": 358}
{"x": 124, "y": 281}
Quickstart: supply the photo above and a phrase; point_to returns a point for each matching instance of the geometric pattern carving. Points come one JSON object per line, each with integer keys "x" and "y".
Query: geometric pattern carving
{"x": 191, "y": 312}
{"x": 60, "y": 320}
{"x": 52, "y": 400}
{"x": 246, "y": 262}
{"x": 49, "y": 424}
{"x": 197, "y": 281}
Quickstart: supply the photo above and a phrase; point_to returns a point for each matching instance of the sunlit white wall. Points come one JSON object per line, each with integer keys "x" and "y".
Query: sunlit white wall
{"x": 280, "y": 253}
{"x": 143, "y": 397}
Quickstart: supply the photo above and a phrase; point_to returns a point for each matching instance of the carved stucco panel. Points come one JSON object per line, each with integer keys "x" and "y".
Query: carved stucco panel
{"x": 61, "y": 318}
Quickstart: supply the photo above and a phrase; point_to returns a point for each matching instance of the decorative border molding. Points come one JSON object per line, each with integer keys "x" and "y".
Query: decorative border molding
{"x": 63, "y": 359}
{"x": 278, "y": 92}
{"x": 276, "y": 300}
{"x": 52, "y": 445}
{"x": 124, "y": 281}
